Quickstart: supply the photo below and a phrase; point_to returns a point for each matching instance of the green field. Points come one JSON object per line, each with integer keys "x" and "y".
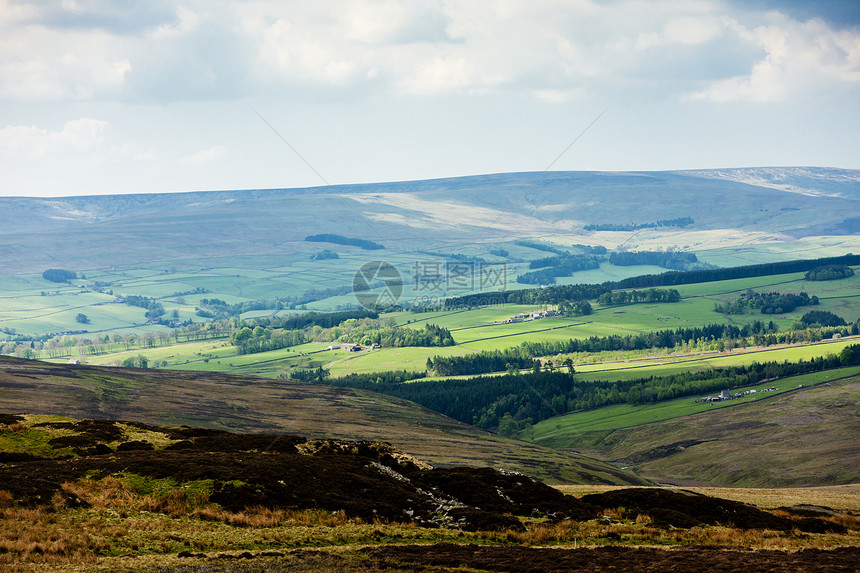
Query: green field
{"x": 672, "y": 364}
{"x": 558, "y": 432}
{"x": 30, "y": 304}
{"x": 804, "y": 437}
{"x": 473, "y": 330}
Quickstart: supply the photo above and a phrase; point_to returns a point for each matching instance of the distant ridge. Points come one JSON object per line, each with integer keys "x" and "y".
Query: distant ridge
{"x": 754, "y": 203}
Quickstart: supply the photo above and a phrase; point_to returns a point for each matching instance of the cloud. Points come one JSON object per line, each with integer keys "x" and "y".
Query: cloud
{"x": 42, "y": 61}
{"x": 204, "y": 157}
{"x": 79, "y": 135}
{"x": 121, "y": 18}
{"x": 800, "y": 59}
{"x": 551, "y": 50}
{"x": 686, "y": 30}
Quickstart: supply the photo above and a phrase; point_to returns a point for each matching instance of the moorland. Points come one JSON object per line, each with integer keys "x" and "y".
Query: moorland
{"x": 170, "y": 356}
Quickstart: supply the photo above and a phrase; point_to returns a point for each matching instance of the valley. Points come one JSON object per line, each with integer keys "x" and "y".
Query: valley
{"x": 601, "y": 332}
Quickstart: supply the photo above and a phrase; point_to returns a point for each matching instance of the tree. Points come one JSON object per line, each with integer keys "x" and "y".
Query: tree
{"x": 850, "y": 355}
{"x": 59, "y": 275}
{"x": 82, "y": 318}
{"x": 568, "y": 363}
{"x": 507, "y": 425}
{"x": 138, "y": 361}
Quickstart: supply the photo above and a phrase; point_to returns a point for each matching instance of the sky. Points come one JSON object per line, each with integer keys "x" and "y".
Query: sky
{"x": 104, "y": 97}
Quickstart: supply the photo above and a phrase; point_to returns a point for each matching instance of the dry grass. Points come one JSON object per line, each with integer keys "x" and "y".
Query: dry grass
{"x": 117, "y": 538}
{"x": 116, "y": 493}
{"x": 38, "y": 537}
{"x": 124, "y": 530}
{"x": 132, "y": 433}
{"x": 621, "y": 529}
{"x": 839, "y": 497}
{"x": 265, "y": 517}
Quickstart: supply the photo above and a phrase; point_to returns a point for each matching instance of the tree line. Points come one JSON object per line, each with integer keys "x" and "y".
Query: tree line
{"x": 455, "y": 256}
{"x": 557, "y": 293}
{"x": 766, "y": 302}
{"x": 829, "y": 273}
{"x": 708, "y": 275}
{"x": 322, "y": 319}
{"x": 400, "y": 336}
{"x": 679, "y": 222}
{"x": 523, "y": 356}
{"x": 154, "y": 309}
{"x": 823, "y": 318}
{"x": 59, "y": 275}
{"x": 558, "y": 266}
{"x": 341, "y": 240}
{"x": 541, "y": 247}
{"x": 668, "y": 260}
{"x": 710, "y": 337}
{"x": 549, "y": 295}
{"x": 265, "y": 336}
{"x": 482, "y": 362}
{"x": 620, "y": 297}
{"x": 217, "y": 308}
{"x": 574, "y": 308}
{"x": 541, "y": 394}
{"x": 260, "y": 339}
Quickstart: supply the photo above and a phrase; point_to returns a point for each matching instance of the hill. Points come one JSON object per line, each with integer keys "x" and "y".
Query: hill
{"x": 806, "y": 437}
{"x": 729, "y": 207}
{"x": 123, "y": 496}
{"x": 237, "y": 403}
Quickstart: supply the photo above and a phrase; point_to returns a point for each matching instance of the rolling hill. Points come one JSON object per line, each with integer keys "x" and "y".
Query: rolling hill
{"x": 730, "y": 207}
{"x": 806, "y": 437}
{"x": 236, "y": 403}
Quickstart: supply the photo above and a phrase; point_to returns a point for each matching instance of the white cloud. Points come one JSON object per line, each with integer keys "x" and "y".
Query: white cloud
{"x": 801, "y": 58}
{"x": 213, "y": 49}
{"x": 59, "y": 64}
{"x": 187, "y": 22}
{"x": 354, "y": 81}
{"x": 80, "y": 135}
{"x": 204, "y": 157}
{"x": 686, "y": 30}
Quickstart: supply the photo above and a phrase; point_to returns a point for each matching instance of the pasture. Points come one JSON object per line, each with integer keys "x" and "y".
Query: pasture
{"x": 633, "y": 367}
{"x": 473, "y": 330}
{"x": 558, "y": 432}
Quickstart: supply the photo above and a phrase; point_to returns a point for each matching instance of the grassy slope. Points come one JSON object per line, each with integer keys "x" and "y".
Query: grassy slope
{"x": 560, "y": 431}
{"x": 252, "y": 404}
{"x": 625, "y": 368}
{"x": 801, "y": 438}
